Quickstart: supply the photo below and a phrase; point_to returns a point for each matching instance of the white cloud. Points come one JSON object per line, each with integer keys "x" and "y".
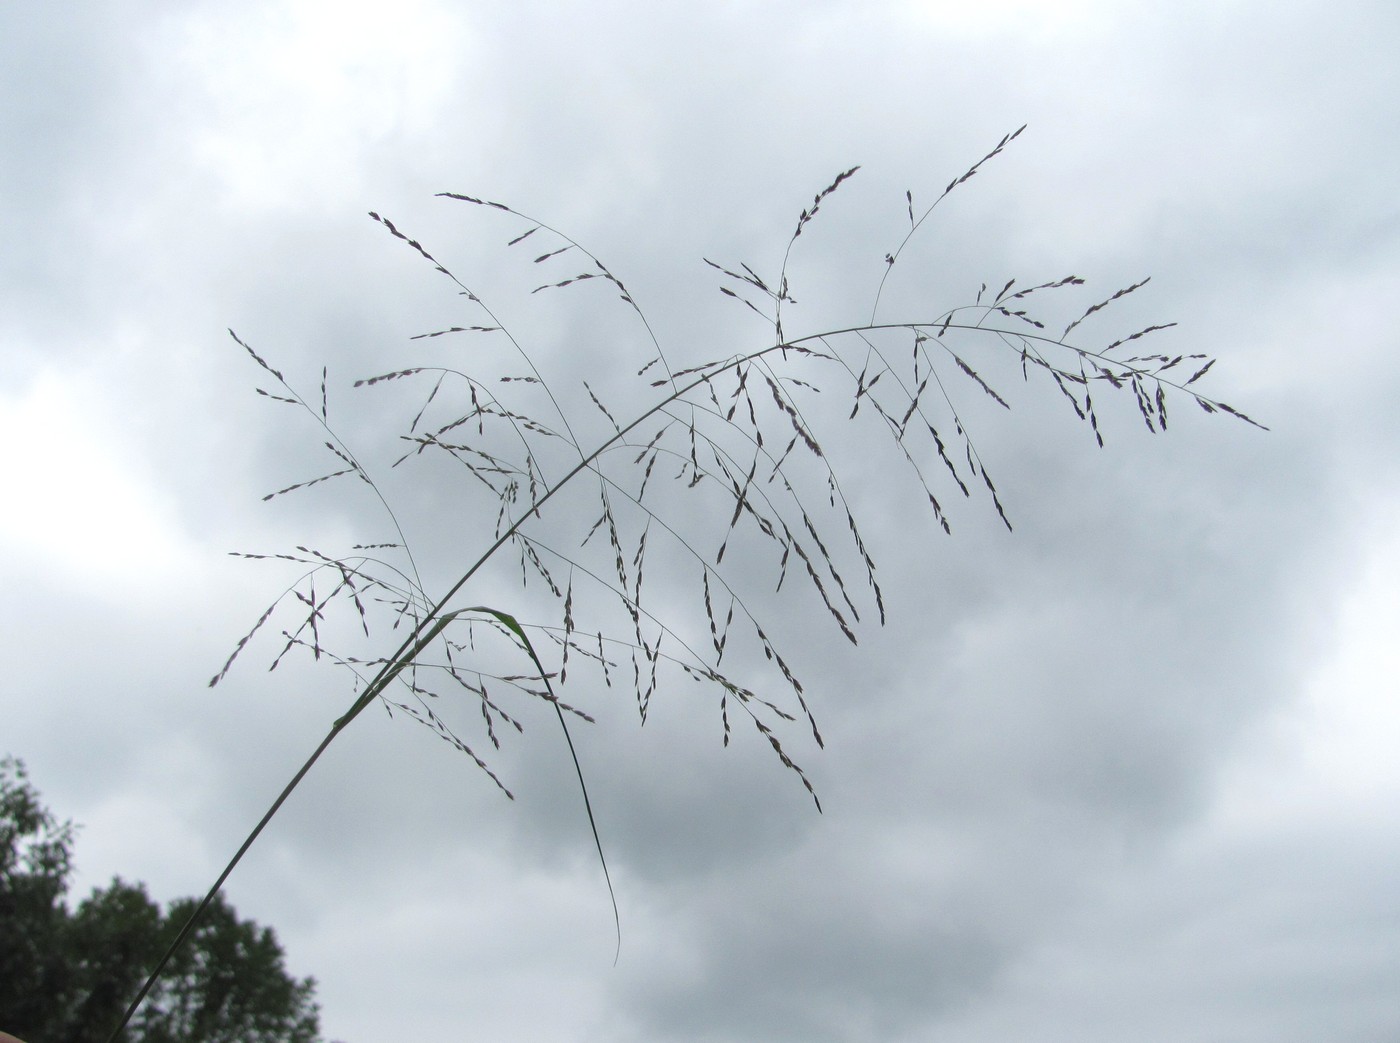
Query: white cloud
{"x": 1023, "y": 18}
{"x": 283, "y": 101}
{"x": 1331, "y": 759}
{"x": 78, "y": 508}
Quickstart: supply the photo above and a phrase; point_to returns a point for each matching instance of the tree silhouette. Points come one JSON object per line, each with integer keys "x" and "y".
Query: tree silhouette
{"x": 67, "y": 975}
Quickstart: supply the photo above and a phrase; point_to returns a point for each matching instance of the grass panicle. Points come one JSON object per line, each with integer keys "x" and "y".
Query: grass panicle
{"x": 716, "y": 458}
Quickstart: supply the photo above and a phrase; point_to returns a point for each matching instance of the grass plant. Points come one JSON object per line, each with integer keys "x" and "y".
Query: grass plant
{"x": 723, "y": 454}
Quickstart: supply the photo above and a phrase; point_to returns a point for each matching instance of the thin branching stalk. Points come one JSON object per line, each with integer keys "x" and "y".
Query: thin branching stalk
{"x": 740, "y": 430}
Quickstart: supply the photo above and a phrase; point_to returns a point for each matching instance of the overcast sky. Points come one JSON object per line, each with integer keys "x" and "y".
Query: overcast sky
{"x": 1126, "y": 772}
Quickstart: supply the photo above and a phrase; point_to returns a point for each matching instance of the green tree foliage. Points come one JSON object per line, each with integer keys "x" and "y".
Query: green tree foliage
{"x": 68, "y": 975}
{"x": 35, "y": 854}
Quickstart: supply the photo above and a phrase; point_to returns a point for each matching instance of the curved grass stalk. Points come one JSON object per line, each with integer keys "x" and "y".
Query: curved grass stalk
{"x": 428, "y": 619}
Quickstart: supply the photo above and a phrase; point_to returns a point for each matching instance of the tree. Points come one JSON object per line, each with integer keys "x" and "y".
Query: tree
{"x": 35, "y": 860}
{"x": 593, "y": 486}
{"x": 113, "y": 937}
{"x": 68, "y": 975}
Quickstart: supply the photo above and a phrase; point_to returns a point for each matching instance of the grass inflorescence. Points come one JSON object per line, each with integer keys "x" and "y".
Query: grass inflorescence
{"x": 723, "y": 452}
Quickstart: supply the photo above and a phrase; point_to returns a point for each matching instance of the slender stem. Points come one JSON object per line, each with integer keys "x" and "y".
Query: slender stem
{"x": 209, "y": 898}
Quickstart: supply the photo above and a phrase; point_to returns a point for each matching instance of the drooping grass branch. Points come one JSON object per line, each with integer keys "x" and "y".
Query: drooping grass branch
{"x": 724, "y": 453}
